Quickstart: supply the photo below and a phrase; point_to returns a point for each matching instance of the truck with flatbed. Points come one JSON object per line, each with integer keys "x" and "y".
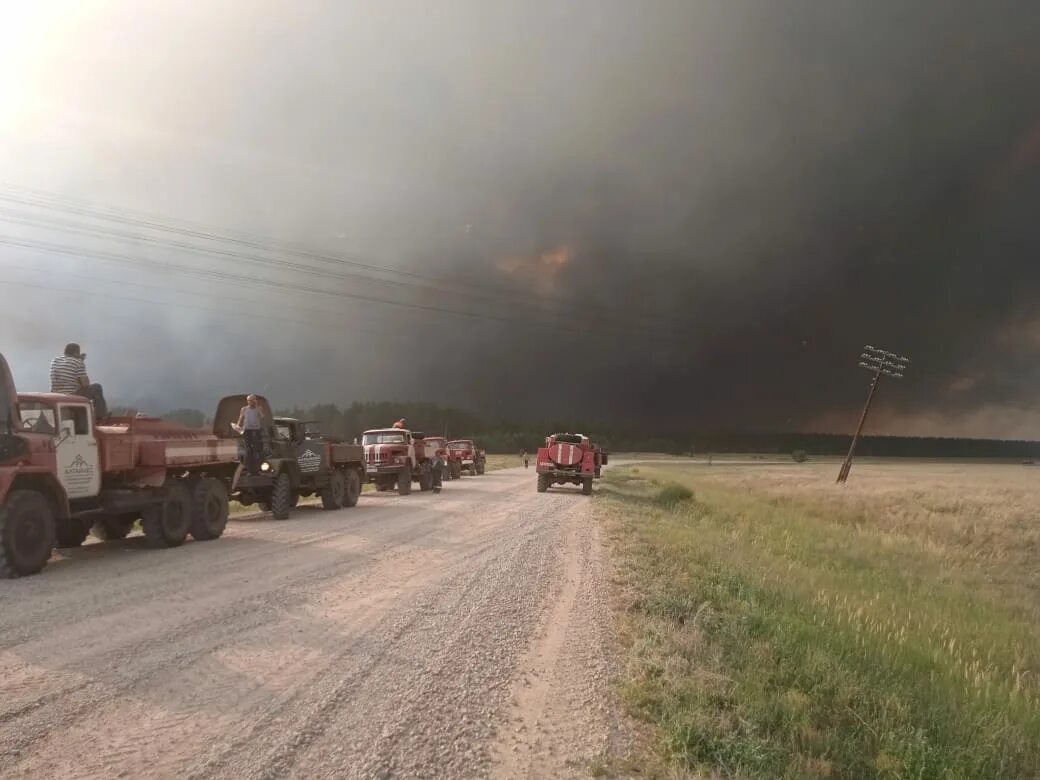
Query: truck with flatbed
{"x": 567, "y": 458}
{"x": 396, "y": 457}
{"x": 296, "y": 463}
{"x": 471, "y": 457}
{"x": 64, "y": 474}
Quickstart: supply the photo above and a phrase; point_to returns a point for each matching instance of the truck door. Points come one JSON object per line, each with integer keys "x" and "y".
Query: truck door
{"x": 79, "y": 466}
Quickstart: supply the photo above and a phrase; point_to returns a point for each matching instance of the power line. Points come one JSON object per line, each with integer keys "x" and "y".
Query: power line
{"x": 18, "y": 219}
{"x": 271, "y": 284}
{"x": 41, "y": 199}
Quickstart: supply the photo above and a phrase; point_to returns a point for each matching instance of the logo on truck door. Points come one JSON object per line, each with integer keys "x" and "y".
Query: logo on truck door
{"x": 78, "y": 474}
{"x": 309, "y": 460}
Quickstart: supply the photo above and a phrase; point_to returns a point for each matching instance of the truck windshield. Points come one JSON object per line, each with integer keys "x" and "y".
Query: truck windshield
{"x": 384, "y": 438}
{"x": 37, "y": 417}
{"x": 567, "y": 438}
{"x": 460, "y": 445}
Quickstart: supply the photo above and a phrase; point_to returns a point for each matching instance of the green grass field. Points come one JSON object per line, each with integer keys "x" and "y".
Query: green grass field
{"x": 777, "y": 625}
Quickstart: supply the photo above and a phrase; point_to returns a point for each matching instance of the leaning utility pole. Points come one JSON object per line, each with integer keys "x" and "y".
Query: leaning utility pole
{"x": 878, "y": 361}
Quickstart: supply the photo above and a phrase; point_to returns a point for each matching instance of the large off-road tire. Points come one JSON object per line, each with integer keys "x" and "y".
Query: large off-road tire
{"x": 333, "y": 493}
{"x": 425, "y": 479}
{"x": 70, "y": 532}
{"x": 383, "y": 484}
{"x": 543, "y": 483}
{"x": 281, "y": 497}
{"x": 456, "y": 470}
{"x": 586, "y": 486}
{"x": 480, "y": 467}
{"x": 404, "y": 482}
{"x": 26, "y": 533}
{"x": 166, "y": 523}
{"x": 113, "y": 527}
{"x": 473, "y": 469}
{"x": 352, "y": 490}
{"x": 294, "y": 499}
{"x": 209, "y": 509}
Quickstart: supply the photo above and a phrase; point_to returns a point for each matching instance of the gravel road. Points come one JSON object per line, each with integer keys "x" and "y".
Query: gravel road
{"x": 460, "y": 635}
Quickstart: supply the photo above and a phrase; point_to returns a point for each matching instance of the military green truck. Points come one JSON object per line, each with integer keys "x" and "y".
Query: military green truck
{"x": 296, "y": 463}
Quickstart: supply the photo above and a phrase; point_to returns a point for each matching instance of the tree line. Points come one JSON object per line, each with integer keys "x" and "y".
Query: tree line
{"x": 506, "y": 436}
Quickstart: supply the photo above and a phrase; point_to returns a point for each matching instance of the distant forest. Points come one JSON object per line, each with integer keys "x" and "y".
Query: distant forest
{"x": 503, "y": 436}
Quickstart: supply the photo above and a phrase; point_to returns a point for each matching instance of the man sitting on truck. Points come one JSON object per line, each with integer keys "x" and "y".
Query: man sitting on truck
{"x": 69, "y": 377}
{"x": 251, "y": 423}
{"x": 402, "y": 423}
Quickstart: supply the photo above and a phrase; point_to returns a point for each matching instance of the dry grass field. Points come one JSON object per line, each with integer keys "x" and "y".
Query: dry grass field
{"x": 779, "y": 625}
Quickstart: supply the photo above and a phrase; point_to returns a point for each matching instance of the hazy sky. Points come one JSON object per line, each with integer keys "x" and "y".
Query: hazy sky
{"x": 690, "y": 212}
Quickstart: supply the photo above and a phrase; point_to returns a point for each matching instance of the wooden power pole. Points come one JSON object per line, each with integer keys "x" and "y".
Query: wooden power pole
{"x": 879, "y": 362}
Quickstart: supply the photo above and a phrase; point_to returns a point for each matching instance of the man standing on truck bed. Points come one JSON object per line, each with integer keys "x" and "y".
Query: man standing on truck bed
{"x": 69, "y": 377}
{"x": 251, "y": 422}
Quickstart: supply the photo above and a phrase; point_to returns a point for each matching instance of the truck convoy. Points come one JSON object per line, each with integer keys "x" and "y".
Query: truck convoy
{"x": 63, "y": 474}
{"x": 295, "y": 463}
{"x": 395, "y": 457}
{"x": 470, "y": 457}
{"x": 568, "y": 458}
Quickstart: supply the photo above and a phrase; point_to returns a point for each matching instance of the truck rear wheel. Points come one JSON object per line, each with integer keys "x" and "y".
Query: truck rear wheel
{"x": 425, "y": 479}
{"x": 586, "y": 486}
{"x": 543, "y": 483}
{"x": 26, "y": 533}
{"x": 166, "y": 524}
{"x": 333, "y": 493}
{"x": 209, "y": 509}
{"x": 281, "y": 497}
{"x": 404, "y": 482}
{"x": 69, "y": 532}
{"x": 113, "y": 527}
{"x": 352, "y": 491}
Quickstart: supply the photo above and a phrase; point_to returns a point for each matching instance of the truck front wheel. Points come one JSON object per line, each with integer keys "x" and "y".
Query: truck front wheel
{"x": 26, "y": 533}
{"x": 353, "y": 488}
{"x": 480, "y": 467}
{"x": 281, "y": 497}
{"x": 209, "y": 509}
{"x": 404, "y": 482}
{"x": 543, "y": 483}
{"x": 166, "y": 523}
{"x": 332, "y": 494}
{"x": 456, "y": 469}
{"x": 425, "y": 479}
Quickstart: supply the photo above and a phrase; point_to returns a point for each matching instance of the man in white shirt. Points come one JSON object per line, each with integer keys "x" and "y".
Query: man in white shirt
{"x": 69, "y": 376}
{"x": 251, "y": 423}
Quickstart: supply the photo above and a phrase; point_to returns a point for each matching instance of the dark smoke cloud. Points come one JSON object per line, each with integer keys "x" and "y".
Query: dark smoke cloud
{"x": 725, "y": 200}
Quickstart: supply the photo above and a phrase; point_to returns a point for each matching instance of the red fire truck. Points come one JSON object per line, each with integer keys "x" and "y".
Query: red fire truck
{"x": 567, "y": 459}
{"x": 62, "y": 474}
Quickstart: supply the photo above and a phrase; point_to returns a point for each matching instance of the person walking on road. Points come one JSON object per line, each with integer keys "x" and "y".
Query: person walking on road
{"x": 69, "y": 377}
{"x": 251, "y": 423}
{"x": 523, "y": 454}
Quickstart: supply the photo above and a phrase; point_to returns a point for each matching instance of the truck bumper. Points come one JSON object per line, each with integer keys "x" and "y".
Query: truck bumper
{"x": 371, "y": 472}
{"x": 561, "y": 475}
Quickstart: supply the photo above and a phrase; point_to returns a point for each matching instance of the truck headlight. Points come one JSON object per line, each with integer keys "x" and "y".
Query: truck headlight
{"x": 265, "y": 466}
